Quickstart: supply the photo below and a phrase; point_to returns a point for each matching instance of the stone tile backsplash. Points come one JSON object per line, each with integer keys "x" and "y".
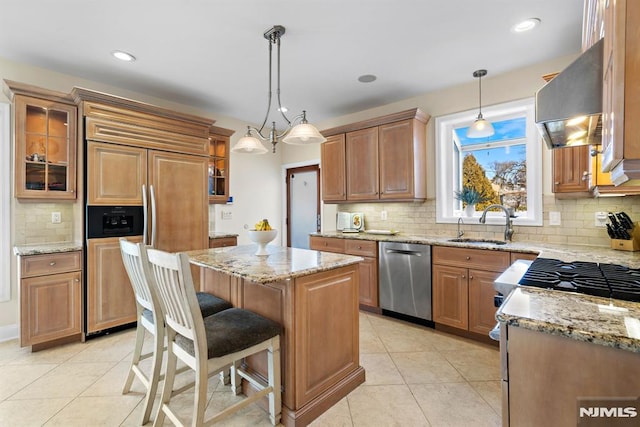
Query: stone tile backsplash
{"x": 33, "y": 223}
{"x": 578, "y": 217}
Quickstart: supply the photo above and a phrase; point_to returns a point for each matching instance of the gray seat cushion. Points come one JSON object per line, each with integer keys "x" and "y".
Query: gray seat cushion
{"x": 209, "y": 304}
{"x": 233, "y": 330}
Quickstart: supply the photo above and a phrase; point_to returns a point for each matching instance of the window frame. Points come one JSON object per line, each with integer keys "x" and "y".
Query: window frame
{"x": 446, "y": 167}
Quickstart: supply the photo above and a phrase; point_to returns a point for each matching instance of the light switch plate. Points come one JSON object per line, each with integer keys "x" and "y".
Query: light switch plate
{"x": 383, "y": 215}
{"x": 227, "y": 215}
{"x": 555, "y": 218}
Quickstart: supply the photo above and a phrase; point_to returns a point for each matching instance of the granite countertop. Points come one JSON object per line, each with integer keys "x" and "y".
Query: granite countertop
{"x": 567, "y": 253}
{"x": 282, "y": 262}
{"x": 612, "y": 323}
{"x": 220, "y": 235}
{"x": 46, "y": 248}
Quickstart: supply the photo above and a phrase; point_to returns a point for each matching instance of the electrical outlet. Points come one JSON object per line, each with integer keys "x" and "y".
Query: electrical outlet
{"x": 227, "y": 215}
{"x": 600, "y": 219}
{"x": 383, "y": 215}
{"x": 56, "y": 218}
{"x": 554, "y": 218}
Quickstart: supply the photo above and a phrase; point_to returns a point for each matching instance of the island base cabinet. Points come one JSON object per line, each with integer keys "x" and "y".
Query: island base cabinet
{"x": 319, "y": 349}
{"x": 548, "y": 375}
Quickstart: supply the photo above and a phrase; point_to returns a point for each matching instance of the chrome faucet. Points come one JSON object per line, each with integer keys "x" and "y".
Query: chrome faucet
{"x": 460, "y": 232}
{"x": 508, "y": 228}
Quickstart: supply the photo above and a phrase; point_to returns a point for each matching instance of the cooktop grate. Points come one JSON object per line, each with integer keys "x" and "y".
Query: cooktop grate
{"x": 604, "y": 280}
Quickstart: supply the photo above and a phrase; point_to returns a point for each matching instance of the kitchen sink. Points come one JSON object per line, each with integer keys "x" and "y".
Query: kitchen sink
{"x": 470, "y": 240}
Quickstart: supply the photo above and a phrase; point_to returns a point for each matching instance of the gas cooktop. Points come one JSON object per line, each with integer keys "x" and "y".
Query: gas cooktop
{"x": 604, "y": 280}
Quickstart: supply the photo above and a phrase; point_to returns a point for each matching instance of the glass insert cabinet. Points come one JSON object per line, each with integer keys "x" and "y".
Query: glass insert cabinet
{"x": 218, "y": 187}
{"x": 45, "y": 134}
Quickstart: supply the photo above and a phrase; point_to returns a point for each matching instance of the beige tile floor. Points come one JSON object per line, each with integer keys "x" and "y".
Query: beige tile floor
{"x": 415, "y": 376}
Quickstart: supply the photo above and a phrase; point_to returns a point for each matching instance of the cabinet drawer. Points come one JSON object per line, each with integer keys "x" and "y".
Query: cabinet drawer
{"x": 38, "y": 265}
{"x": 327, "y": 244}
{"x": 222, "y": 242}
{"x": 482, "y": 259}
{"x": 361, "y": 247}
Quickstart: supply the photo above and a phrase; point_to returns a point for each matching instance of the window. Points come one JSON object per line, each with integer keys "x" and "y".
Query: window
{"x": 505, "y": 168}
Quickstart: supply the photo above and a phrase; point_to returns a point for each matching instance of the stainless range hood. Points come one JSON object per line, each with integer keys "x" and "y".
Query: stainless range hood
{"x": 569, "y": 107}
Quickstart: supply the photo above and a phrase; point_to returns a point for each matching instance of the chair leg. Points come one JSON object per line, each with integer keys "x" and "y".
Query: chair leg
{"x": 200, "y": 393}
{"x": 167, "y": 388}
{"x": 236, "y": 380}
{"x": 140, "y": 330}
{"x": 273, "y": 362}
{"x": 154, "y": 377}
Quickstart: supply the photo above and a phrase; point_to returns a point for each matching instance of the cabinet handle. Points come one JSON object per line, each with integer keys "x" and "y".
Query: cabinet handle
{"x": 470, "y": 277}
{"x": 557, "y": 183}
{"x": 52, "y": 263}
{"x": 463, "y": 276}
{"x": 468, "y": 258}
{"x": 359, "y": 247}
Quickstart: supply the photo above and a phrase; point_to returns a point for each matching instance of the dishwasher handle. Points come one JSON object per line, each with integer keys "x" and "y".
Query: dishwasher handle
{"x": 403, "y": 252}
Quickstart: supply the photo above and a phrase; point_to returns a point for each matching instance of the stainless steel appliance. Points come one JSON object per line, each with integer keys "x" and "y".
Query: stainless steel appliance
{"x": 603, "y": 280}
{"x": 572, "y": 102}
{"x": 404, "y": 273}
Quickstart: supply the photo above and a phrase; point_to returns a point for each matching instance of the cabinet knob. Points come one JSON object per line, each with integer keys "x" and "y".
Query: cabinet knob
{"x": 557, "y": 183}
{"x": 463, "y": 276}
{"x": 52, "y": 263}
{"x": 468, "y": 258}
{"x": 470, "y": 277}
{"x": 359, "y": 247}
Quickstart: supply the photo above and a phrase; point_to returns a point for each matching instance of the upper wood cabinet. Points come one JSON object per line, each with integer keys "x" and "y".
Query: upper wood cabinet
{"x": 384, "y": 159}
{"x": 571, "y": 170}
{"x": 218, "y": 185}
{"x": 45, "y": 143}
{"x": 621, "y": 91}
{"x": 334, "y": 182}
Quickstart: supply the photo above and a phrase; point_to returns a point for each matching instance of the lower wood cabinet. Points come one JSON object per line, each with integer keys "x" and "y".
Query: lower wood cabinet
{"x": 463, "y": 287}
{"x": 368, "y": 268}
{"x": 221, "y": 242}
{"x": 50, "y": 298}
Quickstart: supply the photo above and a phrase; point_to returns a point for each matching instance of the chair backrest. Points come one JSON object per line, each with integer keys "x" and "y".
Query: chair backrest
{"x": 135, "y": 263}
{"x": 177, "y": 294}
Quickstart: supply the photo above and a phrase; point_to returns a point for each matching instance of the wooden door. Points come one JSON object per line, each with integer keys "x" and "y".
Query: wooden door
{"x": 450, "y": 296}
{"x": 368, "y": 270}
{"x": 50, "y": 307}
{"x": 571, "y": 169}
{"x": 362, "y": 164}
{"x": 397, "y": 163}
{"x": 333, "y": 168}
{"x": 482, "y": 311}
{"x": 110, "y": 297}
{"x": 116, "y": 174}
{"x": 182, "y": 204}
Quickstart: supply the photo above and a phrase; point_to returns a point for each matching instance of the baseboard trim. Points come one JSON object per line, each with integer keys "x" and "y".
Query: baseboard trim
{"x": 9, "y": 332}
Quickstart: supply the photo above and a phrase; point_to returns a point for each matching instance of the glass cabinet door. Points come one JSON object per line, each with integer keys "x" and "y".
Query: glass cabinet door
{"x": 218, "y": 188}
{"x": 45, "y": 149}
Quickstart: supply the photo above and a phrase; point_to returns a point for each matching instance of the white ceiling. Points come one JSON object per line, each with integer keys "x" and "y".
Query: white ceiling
{"x": 211, "y": 53}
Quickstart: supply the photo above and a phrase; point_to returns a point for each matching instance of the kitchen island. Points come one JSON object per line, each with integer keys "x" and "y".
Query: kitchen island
{"x": 314, "y": 296}
{"x": 562, "y": 351}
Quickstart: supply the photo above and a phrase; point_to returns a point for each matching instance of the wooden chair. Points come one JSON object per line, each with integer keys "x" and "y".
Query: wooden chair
{"x": 148, "y": 305}
{"x": 211, "y": 344}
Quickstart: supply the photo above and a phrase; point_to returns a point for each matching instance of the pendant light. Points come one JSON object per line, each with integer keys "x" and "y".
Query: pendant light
{"x": 298, "y": 131}
{"x": 480, "y": 128}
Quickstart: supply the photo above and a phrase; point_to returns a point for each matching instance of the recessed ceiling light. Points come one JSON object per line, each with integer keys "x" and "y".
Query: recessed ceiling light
{"x": 367, "y": 78}
{"x": 123, "y": 56}
{"x": 526, "y": 25}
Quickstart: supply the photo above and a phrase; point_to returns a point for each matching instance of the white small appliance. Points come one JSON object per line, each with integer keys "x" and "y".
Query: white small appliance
{"x": 350, "y": 222}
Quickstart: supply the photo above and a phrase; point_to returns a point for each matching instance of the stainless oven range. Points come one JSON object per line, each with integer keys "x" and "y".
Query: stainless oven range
{"x": 603, "y": 280}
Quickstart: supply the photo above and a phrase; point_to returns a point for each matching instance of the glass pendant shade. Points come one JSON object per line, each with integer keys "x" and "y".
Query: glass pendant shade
{"x": 249, "y": 144}
{"x": 480, "y": 128}
{"x": 304, "y": 133}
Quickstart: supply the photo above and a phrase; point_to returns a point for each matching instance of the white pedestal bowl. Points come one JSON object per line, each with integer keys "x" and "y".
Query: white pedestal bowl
{"x": 262, "y": 238}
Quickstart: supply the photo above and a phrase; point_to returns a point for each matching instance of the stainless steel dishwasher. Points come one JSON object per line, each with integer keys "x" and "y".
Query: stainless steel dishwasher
{"x": 404, "y": 271}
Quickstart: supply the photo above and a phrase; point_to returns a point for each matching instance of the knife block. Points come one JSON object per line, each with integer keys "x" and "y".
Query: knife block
{"x": 632, "y": 244}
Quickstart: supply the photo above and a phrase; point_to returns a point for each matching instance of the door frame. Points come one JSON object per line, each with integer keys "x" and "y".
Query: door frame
{"x": 286, "y": 208}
